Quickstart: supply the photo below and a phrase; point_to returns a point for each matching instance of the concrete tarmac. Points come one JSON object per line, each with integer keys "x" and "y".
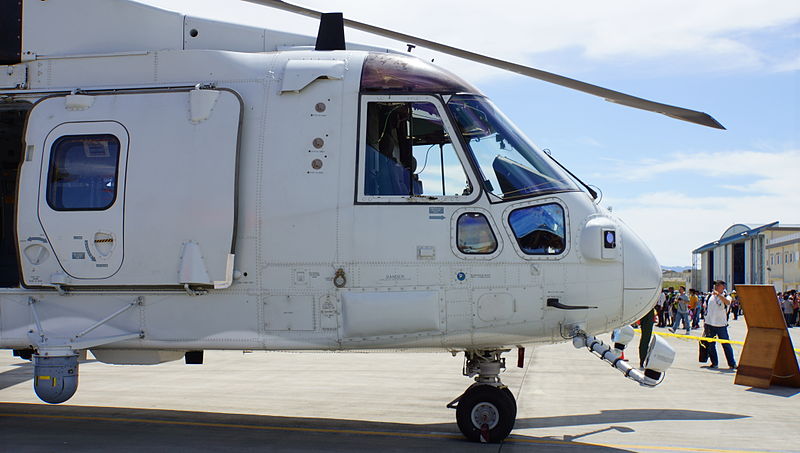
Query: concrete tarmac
{"x": 568, "y": 401}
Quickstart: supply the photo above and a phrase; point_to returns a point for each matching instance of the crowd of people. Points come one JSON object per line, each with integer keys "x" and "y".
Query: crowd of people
{"x": 715, "y": 308}
{"x": 676, "y": 307}
{"x": 679, "y": 308}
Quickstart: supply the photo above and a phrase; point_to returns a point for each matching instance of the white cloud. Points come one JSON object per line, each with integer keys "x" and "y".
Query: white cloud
{"x": 768, "y": 167}
{"x": 789, "y": 65}
{"x": 708, "y": 32}
{"x": 675, "y": 222}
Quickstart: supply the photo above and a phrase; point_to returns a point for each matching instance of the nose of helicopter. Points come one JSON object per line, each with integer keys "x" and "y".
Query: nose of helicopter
{"x": 641, "y": 275}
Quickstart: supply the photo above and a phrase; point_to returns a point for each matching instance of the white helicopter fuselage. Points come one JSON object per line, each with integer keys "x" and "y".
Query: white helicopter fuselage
{"x": 239, "y": 219}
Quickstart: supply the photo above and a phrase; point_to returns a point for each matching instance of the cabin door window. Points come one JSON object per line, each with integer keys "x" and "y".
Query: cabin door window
{"x": 83, "y": 173}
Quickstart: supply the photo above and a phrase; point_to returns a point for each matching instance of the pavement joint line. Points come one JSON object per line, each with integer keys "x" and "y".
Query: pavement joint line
{"x": 365, "y": 432}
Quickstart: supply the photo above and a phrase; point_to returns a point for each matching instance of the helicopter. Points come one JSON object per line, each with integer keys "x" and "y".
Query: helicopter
{"x": 174, "y": 184}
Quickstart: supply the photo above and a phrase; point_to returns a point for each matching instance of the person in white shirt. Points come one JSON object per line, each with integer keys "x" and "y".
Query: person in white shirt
{"x": 716, "y": 325}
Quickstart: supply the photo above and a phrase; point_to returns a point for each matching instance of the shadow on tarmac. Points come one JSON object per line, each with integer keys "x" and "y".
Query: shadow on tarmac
{"x": 624, "y": 416}
{"x": 786, "y": 392}
{"x": 41, "y": 427}
{"x": 20, "y": 373}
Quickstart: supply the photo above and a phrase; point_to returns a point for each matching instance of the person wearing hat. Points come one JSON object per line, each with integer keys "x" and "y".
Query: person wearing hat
{"x": 716, "y": 325}
{"x": 736, "y": 307}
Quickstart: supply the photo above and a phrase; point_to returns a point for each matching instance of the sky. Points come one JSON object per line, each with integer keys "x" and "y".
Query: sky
{"x": 677, "y": 184}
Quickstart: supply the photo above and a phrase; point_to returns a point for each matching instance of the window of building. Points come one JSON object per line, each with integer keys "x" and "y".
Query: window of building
{"x": 408, "y": 152}
{"x": 539, "y": 230}
{"x": 474, "y": 235}
{"x": 83, "y": 172}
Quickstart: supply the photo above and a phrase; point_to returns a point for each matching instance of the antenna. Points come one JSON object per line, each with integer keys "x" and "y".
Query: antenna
{"x": 331, "y": 32}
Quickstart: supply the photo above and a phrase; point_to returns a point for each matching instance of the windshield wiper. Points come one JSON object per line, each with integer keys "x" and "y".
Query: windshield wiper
{"x": 592, "y": 192}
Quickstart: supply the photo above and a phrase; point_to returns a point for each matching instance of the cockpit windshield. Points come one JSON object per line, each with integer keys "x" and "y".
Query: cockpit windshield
{"x": 511, "y": 166}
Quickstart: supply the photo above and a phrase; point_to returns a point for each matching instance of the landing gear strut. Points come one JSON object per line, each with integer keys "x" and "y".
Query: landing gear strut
{"x": 486, "y": 411}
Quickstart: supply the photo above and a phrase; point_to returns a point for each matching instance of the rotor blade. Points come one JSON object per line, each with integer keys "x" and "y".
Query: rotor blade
{"x": 680, "y": 113}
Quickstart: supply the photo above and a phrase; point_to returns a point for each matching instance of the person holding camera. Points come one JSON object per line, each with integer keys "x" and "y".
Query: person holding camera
{"x": 716, "y": 325}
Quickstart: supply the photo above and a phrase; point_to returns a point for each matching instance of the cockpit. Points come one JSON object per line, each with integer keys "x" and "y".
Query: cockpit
{"x": 422, "y": 127}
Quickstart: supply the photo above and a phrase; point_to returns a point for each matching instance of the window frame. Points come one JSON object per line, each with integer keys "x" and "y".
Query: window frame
{"x": 466, "y": 164}
{"x": 492, "y": 225}
{"x": 533, "y": 203}
{"x": 51, "y": 168}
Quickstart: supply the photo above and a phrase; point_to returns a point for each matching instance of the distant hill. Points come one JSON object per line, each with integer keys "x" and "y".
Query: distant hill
{"x": 676, "y": 268}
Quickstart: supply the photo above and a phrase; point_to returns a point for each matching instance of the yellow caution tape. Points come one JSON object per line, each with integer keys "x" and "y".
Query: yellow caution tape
{"x": 693, "y": 337}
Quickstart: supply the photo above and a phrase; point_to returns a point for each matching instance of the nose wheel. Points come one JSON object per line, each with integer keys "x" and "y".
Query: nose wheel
{"x": 487, "y": 410}
{"x": 486, "y": 413}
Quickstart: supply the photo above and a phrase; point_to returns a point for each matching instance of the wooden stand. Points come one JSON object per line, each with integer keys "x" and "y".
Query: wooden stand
{"x": 768, "y": 356}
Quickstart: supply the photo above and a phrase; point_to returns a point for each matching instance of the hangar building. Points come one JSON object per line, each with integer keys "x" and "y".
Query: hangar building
{"x": 750, "y": 254}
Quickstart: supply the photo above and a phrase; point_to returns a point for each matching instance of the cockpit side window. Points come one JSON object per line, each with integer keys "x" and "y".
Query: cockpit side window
{"x": 474, "y": 235}
{"x": 539, "y": 230}
{"x": 408, "y": 153}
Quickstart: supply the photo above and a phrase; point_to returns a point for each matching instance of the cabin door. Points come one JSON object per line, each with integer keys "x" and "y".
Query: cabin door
{"x": 134, "y": 189}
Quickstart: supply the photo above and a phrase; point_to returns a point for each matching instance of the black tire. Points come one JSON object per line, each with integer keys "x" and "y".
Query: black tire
{"x": 495, "y": 407}
{"x": 510, "y": 396}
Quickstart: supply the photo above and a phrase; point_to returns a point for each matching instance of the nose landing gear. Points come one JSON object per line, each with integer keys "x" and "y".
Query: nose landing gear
{"x": 487, "y": 410}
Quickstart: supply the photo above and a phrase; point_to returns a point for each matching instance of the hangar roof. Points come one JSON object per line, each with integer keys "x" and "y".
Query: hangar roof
{"x": 736, "y": 232}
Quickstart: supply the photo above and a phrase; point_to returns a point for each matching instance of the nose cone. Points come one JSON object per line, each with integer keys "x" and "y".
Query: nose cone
{"x": 641, "y": 269}
{"x": 641, "y": 275}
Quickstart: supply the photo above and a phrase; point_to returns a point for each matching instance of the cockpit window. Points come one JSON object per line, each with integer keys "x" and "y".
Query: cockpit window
{"x": 511, "y": 166}
{"x": 539, "y": 230}
{"x": 408, "y": 152}
{"x": 474, "y": 235}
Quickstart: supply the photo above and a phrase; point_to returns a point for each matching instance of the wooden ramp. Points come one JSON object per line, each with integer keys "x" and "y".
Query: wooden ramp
{"x": 768, "y": 356}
